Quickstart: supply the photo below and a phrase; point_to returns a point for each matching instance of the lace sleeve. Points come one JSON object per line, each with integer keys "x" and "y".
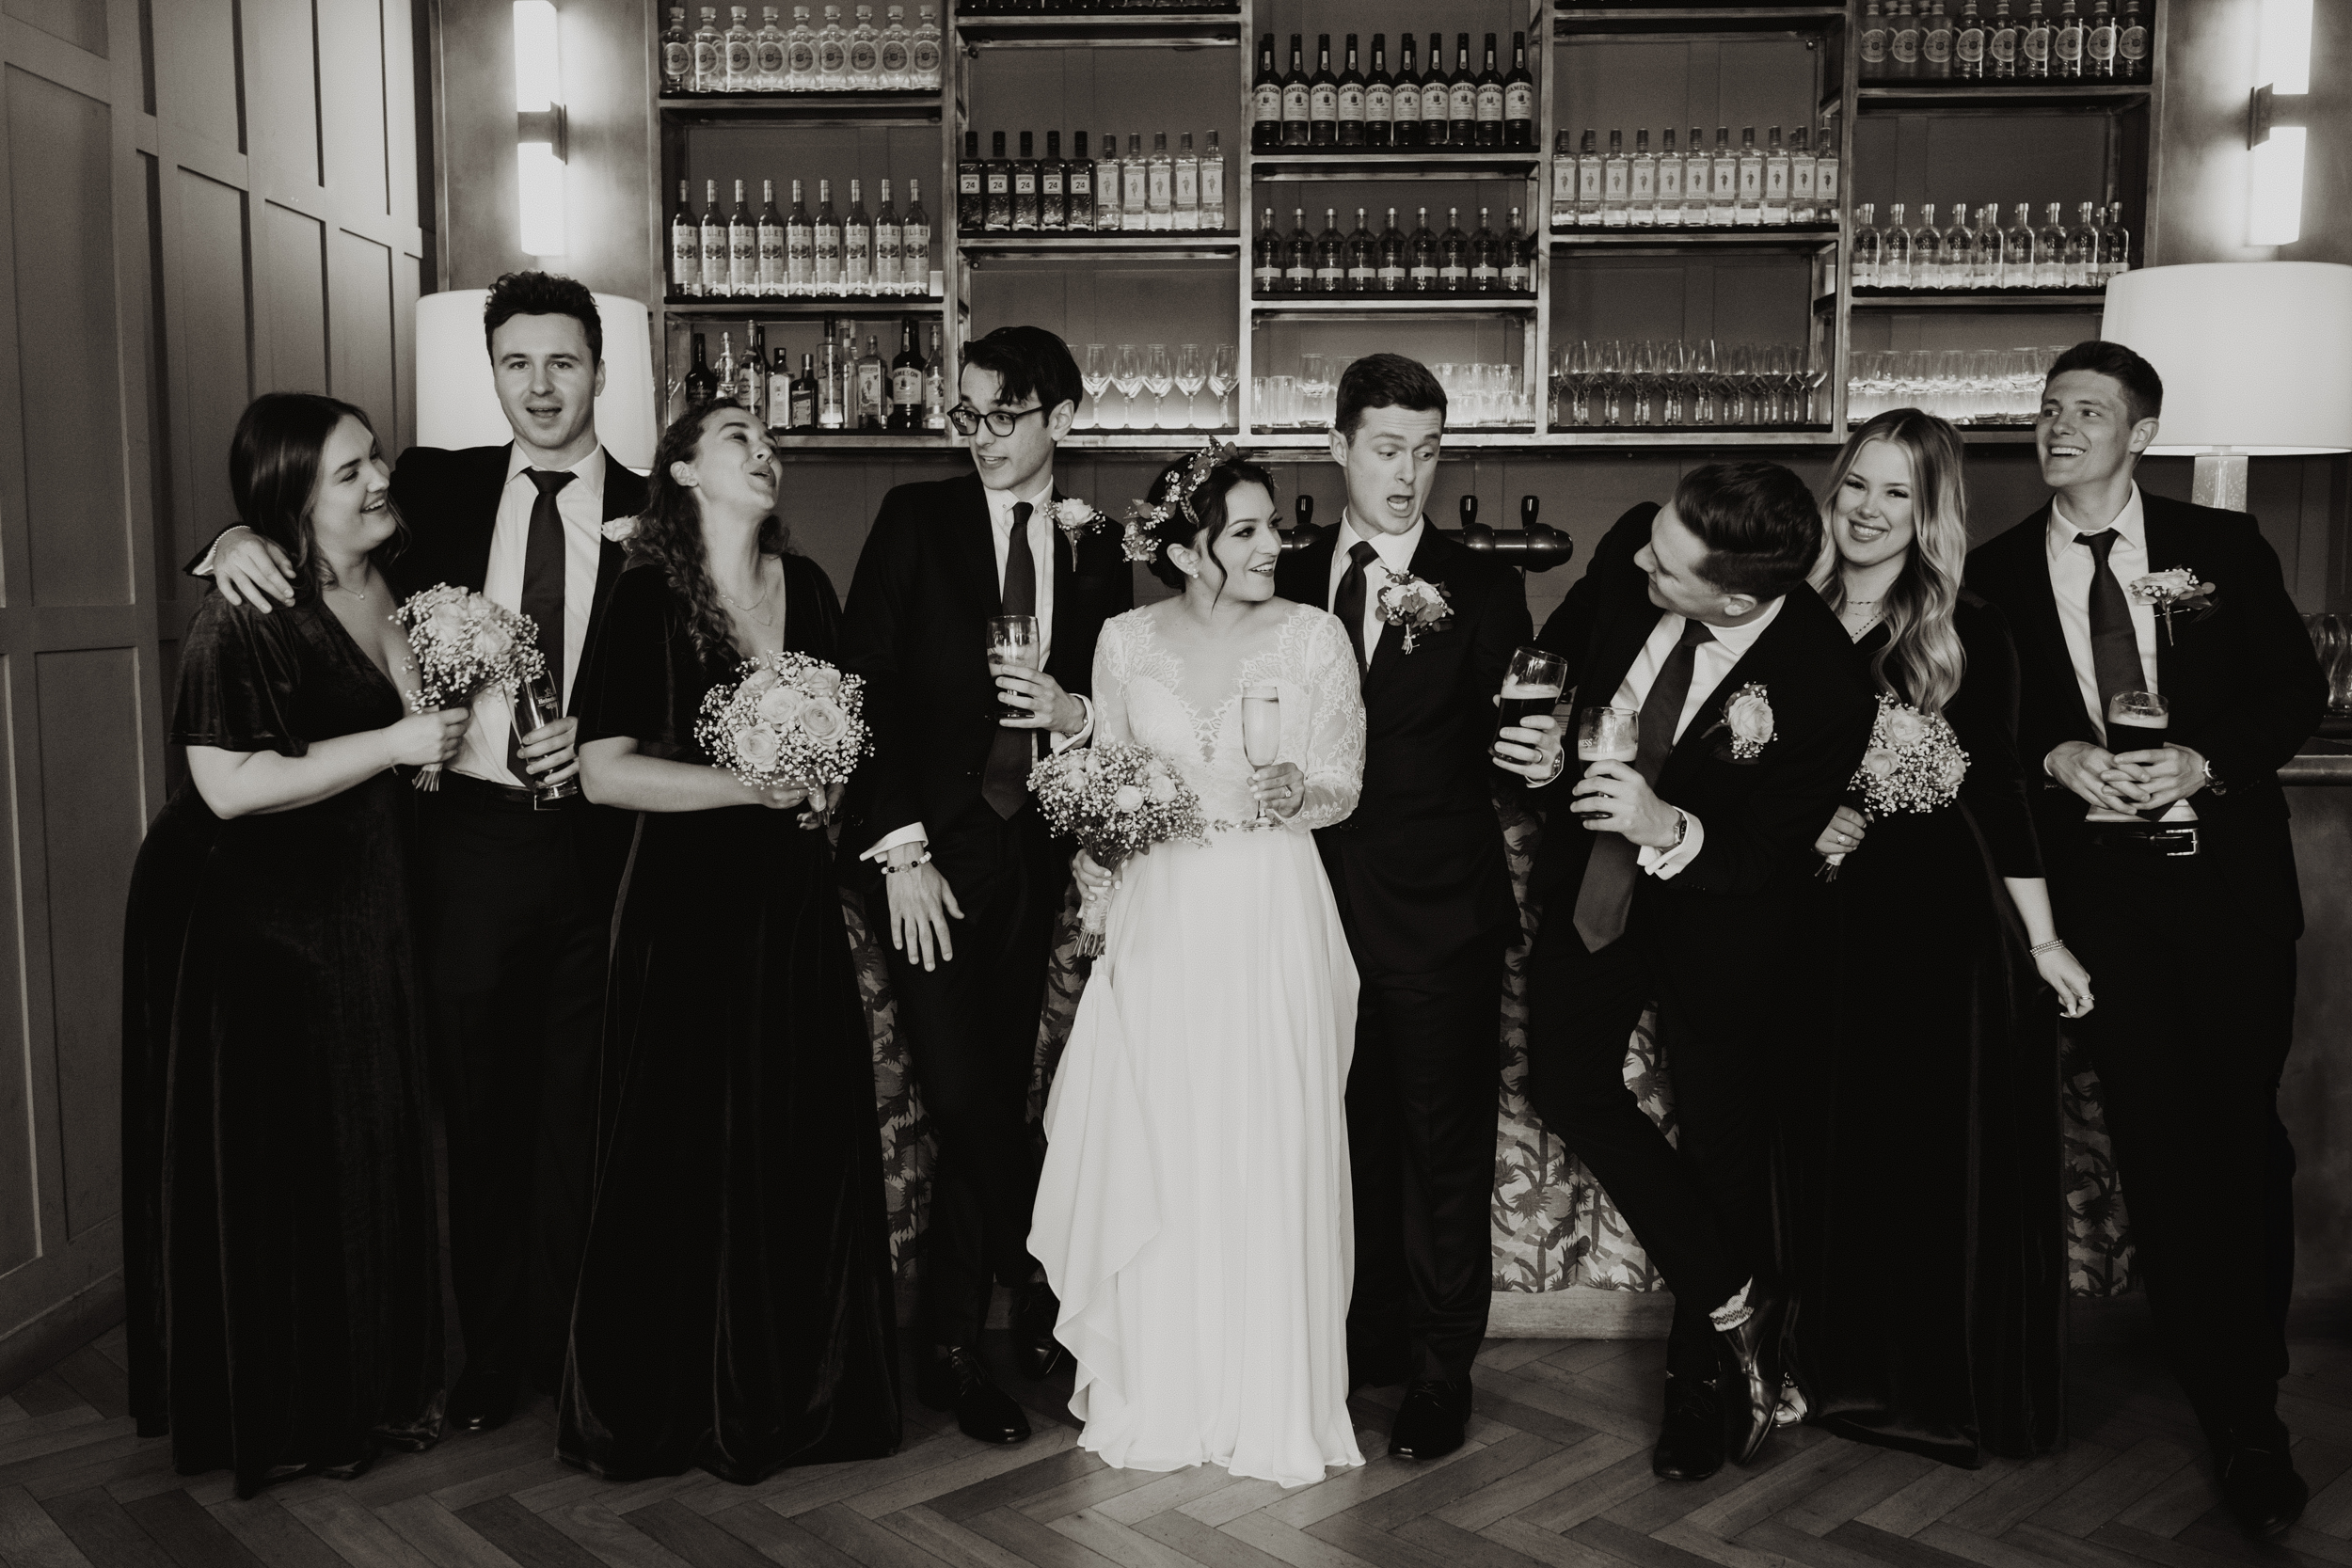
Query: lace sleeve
{"x": 1334, "y": 763}
{"x": 1109, "y": 695}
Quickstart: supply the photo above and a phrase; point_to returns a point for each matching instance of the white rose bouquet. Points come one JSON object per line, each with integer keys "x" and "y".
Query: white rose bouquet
{"x": 465, "y": 644}
{"x": 1117, "y": 801}
{"x": 1915, "y": 764}
{"x": 788, "y": 720}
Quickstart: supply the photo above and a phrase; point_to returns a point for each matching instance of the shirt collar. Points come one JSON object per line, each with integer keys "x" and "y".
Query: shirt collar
{"x": 1001, "y": 503}
{"x": 588, "y": 472}
{"x": 2130, "y": 524}
{"x": 1738, "y": 640}
{"x": 1395, "y": 549}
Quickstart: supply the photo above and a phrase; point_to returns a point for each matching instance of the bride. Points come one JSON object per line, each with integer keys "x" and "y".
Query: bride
{"x": 1194, "y": 1215}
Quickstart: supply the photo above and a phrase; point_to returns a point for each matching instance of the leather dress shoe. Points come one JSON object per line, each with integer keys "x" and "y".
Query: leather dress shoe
{"x": 483, "y": 1399}
{"x": 1429, "y": 1422}
{"x": 2258, "y": 1478}
{"x": 1690, "y": 1443}
{"x": 953, "y": 1379}
{"x": 1035, "y": 1350}
{"x": 1757, "y": 1367}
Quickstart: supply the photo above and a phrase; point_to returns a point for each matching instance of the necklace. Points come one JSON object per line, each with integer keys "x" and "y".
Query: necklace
{"x": 1860, "y": 604}
{"x": 746, "y": 608}
{"x": 359, "y": 594}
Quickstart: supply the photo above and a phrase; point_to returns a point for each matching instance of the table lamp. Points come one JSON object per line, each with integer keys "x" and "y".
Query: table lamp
{"x": 457, "y": 403}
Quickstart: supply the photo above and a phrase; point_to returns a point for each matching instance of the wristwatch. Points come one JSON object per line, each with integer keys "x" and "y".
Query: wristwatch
{"x": 1682, "y": 830}
{"x": 2213, "y": 778}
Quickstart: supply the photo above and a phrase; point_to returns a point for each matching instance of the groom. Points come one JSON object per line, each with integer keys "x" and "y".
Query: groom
{"x": 1425, "y": 896}
{"x": 959, "y": 858}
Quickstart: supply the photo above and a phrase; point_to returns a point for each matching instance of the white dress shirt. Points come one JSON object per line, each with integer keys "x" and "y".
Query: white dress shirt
{"x": 1395, "y": 563}
{"x": 1710, "y": 661}
{"x": 2070, "y": 584}
{"x": 581, "y": 504}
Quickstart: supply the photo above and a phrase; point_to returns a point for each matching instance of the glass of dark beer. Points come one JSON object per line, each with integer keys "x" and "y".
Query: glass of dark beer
{"x": 2137, "y": 721}
{"x": 1530, "y": 686}
{"x": 1013, "y": 641}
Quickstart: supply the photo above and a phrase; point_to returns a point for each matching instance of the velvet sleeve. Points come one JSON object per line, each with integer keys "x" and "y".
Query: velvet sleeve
{"x": 630, "y": 684}
{"x": 238, "y": 672}
{"x": 1984, "y": 715}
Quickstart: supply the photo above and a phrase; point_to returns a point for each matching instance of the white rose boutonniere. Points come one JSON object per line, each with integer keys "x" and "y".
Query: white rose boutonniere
{"x": 2171, "y": 589}
{"x": 1749, "y": 717}
{"x": 1417, "y": 606}
{"x": 1076, "y": 518}
{"x": 621, "y": 530}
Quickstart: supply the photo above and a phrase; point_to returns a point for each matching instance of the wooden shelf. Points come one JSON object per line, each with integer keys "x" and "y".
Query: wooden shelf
{"x": 850, "y": 441}
{"x": 1379, "y": 306}
{"x": 1102, "y": 30}
{"x": 1804, "y": 239}
{"x": 1164, "y": 247}
{"x": 1408, "y": 164}
{"x": 1967, "y": 97}
{"x": 803, "y": 109}
{"x": 1628, "y": 23}
{"x": 2071, "y": 302}
{"x": 771, "y": 306}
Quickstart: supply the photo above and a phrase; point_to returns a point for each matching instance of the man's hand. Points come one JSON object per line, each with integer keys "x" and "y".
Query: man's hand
{"x": 548, "y": 752}
{"x": 1844, "y": 834}
{"x": 250, "y": 569}
{"x": 822, "y": 802}
{"x": 2090, "y": 772}
{"x": 1613, "y": 798}
{"x": 1534, "y": 747}
{"x": 2169, "y": 773}
{"x": 1050, "y": 707}
{"x": 921, "y": 903}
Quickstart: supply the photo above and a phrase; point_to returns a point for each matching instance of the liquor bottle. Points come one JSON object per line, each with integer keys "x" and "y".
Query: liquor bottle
{"x": 1078, "y": 181}
{"x": 1186, "y": 180}
{"x": 1135, "y": 186}
{"x": 2115, "y": 246}
{"x": 2002, "y": 43}
{"x": 1323, "y": 98}
{"x": 677, "y": 55}
{"x": 1380, "y": 97}
{"x": 1616, "y": 183}
{"x": 923, "y": 52}
{"x": 751, "y": 377}
{"x": 1519, "y": 256}
{"x": 832, "y": 54}
{"x": 1350, "y": 102}
{"x": 768, "y": 52}
{"x": 829, "y": 413}
{"x": 800, "y": 248}
{"x": 1461, "y": 98}
{"x": 1053, "y": 189}
{"x": 2049, "y": 250}
{"x": 873, "y": 389}
{"x": 1437, "y": 99}
{"x": 1668, "y": 212}
{"x": 1987, "y": 273}
{"x": 1801, "y": 206}
{"x": 686, "y": 248}
{"x": 1865, "y": 246}
{"x": 1959, "y": 250}
{"x": 710, "y": 55}
{"x": 896, "y": 49}
{"x": 1926, "y": 251}
{"x": 718, "y": 260}
{"x": 1213, "y": 187}
{"x": 2018, "y": 270}
{"x": 865, "y": 53}
{"x": 1589, "y": 183}
{"x": 1405, "y": 105}
{"x": 800, "y": 53}
{"x": 996, "y": 209}
{"x": 2082, "y": 250}
{"x": 2099, "y": 43}
{"x": 1518, "y": 100}
{"x": 1489, "y": 84}
{"x": 1698, "y": 179}
{"x": 1894, "y": 251}
{"x": 1776, "y": 180}
{"x": 1749, "y": 212}
{"x": 1563, "y": 180}
{"x": 1107, "y": 217}
{"x": 1297, "y": 130}
{"x": 2066, "y": 44}
{"x": 1160, "y": 188}
{"x": 801, "y": 397}
{"x": 1389, "y": 278}
{"x": 971, "y": 187}
{"x": 1873, "y": 46}
{"x": 857, "y": 248}
{"x": 1723, "y": 194}
{"x": 1935, "y": 42}
{"x": 1298, "y": 257}
{"x": 914, "y": 245}
{"x": 906, "y": 385}
{"x": 1905, "y": 39}
{"x": 1486, "y": 258}
{"x": 1363, "y": 257}
{"x": 1421, "y": 258}
{"x": 724, "y": 370}
{"x": 702, "y": 384}
{"x": 935, "y": 386}
{"x": 1266, "y": 100}
{"x": 1968, "y": 43}
{"x": 2131, "y": 46}
{"x": 742, "y": 249}
{"x": 1641, "y": 208}
{"x": 2034, "y": 43}
{"x": 829, "y": 241}
{"x": 1453, "y": 255}
{"x": 1024, "y": 186}
{"x": 1825, "y": 192}
{"x": 1265, "y": 259}
{"x": 890, "y": 238}
{"x": 1330, "y": 255}
{"x": 770, "y": 280}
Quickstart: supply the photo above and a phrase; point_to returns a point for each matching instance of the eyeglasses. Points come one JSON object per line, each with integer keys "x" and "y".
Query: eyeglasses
{"x": 967, "y": 419}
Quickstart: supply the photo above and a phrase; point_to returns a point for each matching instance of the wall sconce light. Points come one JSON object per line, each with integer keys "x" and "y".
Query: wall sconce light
{"x": 2273, "y": 132}
{"x": 541, "y": 134}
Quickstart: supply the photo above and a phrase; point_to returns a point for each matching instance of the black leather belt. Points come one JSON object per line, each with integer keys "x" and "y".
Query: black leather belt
{"x": 480, "y": 793}
{"x": 2168, "y": 842}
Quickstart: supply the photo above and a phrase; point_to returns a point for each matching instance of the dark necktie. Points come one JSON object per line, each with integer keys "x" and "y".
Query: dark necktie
{"x": 1348, "y": 604}
{"x": 2114, "y": 645}
{"x": 1006, "y": 783}
{"x": 1606, "y": 896}
{"x": 543, "y": 592}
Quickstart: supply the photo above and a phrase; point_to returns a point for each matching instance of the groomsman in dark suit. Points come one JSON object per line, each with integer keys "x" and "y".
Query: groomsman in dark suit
{"x": 1425, "y": 896}
{"x": 2173, "y": 874}
{"x": 964, "y": 874}
{"x": 1672, "y": 880}
{"x": 519, "y": 889}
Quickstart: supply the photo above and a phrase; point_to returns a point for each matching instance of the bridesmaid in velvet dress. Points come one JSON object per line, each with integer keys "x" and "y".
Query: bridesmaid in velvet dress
{"x": 279, "y": 1240}
{"x": 734, "y": 1309}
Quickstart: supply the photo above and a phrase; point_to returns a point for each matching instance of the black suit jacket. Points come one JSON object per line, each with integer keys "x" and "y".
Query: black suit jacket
{"x": 1419, "y": 869}
{"x": 914, "y": 628}
{"x": 450, "y": 500}
{"x": 2243, "y": 683}
{"x": 1760, "y": 816}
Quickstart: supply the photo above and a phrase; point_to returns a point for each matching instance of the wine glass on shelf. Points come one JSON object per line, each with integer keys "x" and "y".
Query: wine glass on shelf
{"x": 1223, "y": 375}
{"x": 1811, "y": 372}
{"x": 1157, "y": 378}
{"x": 1310, "y": 388}
{"x": 1608, "y": 367}
{"x": 1190, "y": 373}
{"x": 1262, "y": 729}
{"x": 1739, "y": 411}
{"x": 1699, "y": 368}
{"x": 1673, "y": 368}
{"x": 1127, "y": 374}
{"x": 1096, "y": 376}
{"x": 1643, "y": 369}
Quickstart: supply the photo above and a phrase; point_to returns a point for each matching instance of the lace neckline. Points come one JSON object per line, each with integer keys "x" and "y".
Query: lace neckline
{"x": 1162, "y": 664}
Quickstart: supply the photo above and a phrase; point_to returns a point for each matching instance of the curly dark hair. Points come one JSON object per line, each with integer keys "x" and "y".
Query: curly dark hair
{"x": 544, "y": 293}
{"x": 1208, "y": 504}
{"x": 274, "y": 471}
{"x": 669, "y": 535}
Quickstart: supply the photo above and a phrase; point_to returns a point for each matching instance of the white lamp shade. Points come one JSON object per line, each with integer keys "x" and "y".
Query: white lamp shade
{"x": 457, "y": 401}
{"x": 2253, "y": 354}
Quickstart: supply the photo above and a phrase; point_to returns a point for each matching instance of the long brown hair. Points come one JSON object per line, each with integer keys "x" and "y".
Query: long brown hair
{"x": 1922, "y": 644}
{"x": 671, "y": 534}
{"x": 273, "y": 475}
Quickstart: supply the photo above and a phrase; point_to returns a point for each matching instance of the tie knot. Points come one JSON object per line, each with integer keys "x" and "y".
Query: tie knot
{"x": 2097, "y": 544}
{"x": 1362, "y": 553}
{"x": 549, "y": 480}
{"x": 1020, "y": 513}
{"x": 1695, "y": 633}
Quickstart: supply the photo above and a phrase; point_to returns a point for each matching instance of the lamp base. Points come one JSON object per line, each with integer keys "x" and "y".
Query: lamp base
{"x": 2219, "y": 480}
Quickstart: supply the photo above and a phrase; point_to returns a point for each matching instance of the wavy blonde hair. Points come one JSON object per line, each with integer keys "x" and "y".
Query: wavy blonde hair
{"x": 1922, "y": 644}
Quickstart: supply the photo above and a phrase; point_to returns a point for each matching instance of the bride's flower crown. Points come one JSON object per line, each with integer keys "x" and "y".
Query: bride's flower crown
{"x": 1144, "y": 518}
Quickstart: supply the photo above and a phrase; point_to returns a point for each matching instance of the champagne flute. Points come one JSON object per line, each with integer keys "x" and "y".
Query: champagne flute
{"x": 1223, "y": 375}
{"x": 1156, "y": 377}
{"x": 1262, "y": 729}
{"x": 537, "y": 705}
{"x": 1127, "y": 371}
{"x": 1096, "y": 376}
{"x": 1531, "y": 685}
{"x": 1013, "y": 643}
{"x": 1190, "y": 372}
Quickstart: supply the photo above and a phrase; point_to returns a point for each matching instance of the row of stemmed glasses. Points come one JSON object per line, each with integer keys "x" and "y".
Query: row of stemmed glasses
{"x": 1136, "y": 370}
{"x": 1966, "y": 386}
{"x": 1681, "y": 383}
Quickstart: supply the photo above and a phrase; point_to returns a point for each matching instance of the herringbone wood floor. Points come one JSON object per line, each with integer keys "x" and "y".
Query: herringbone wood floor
{"x": 1556, "y": 1475}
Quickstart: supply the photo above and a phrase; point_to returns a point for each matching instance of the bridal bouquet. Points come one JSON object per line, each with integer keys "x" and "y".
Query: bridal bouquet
{"x": 790, "y": 719}
{"x": 464, "y": 645}
{"x": 1915, "y": 764}
{"x": 1117, "y": 801}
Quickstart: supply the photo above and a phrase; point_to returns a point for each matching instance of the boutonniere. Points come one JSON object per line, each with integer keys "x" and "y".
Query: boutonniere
{"x": 2168, "y": 591}
{"x": 1416, "y": 605}
{"x": 1076, "y": 518}
{"x": 621, "y": 530}
{"x": 1749, "y": 717}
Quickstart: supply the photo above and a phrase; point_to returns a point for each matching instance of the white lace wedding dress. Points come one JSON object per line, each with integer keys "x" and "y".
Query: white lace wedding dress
{"x": 1194, "y": 1215}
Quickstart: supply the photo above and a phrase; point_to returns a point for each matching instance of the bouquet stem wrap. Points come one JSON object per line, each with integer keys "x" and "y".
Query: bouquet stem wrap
{"x": 1117, "y": 801}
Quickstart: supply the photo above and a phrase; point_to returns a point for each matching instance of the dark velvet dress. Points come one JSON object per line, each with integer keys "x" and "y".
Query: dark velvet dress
{"x": 734, "y": 1310}
{"x": 281, "y": 1247}
{"x": 1928, "y": 1243}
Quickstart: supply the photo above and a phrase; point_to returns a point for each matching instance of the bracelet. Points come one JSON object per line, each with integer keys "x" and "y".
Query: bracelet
{"x": 923, "y": 859}
{"x": 2050, "y": 947}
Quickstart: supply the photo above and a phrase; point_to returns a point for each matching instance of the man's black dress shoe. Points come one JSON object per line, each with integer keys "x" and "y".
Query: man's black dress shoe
{"x": 483, "y": 1399}
{"x": 1754, "y": 1364}
{"x": 1429, "y": 1422}
{"x": 954, "y": 1379}
{"x": 1690, "y": 1443}
{"x": 1035, "y": 1350}
{"x": 2258, "y": 1479}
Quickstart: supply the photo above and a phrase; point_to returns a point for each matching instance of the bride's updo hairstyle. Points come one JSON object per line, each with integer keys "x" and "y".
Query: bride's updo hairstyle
{"x": 1202, "y": 531}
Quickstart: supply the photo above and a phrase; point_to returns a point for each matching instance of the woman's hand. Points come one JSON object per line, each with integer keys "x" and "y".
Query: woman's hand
{"x": 821, "y": 806}
{"x": 1844, "y": 834}
{"x": 2066, "y": 977}
{"x": 779, "y": 797}
{"x": 1281, "y": 788}
{"x": 427, "y": 737}
{"x": 1094, "y": 879}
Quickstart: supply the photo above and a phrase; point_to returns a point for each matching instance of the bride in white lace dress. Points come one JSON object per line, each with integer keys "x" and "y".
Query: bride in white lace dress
{"x": 1194, "y": 1215}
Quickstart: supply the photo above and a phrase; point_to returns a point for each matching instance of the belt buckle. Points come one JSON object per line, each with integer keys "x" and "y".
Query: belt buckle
{"x": 541, "y": 802}
{"x": 2183, "y": 854}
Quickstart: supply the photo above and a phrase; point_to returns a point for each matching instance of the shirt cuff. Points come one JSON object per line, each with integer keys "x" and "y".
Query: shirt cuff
{"x": 1664, "y": 863}
{"x": 1063, "y": 742}
{"x": 204, "y": 567}
{"x": 911, "y": 833}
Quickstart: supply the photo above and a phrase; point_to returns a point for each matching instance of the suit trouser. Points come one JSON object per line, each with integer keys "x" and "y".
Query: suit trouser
{"x": 1702, "y": 1211}
{"x": 972, "y": 1029}
{"x": 2194, "y": 1018}
{"x": 515, "y": 955}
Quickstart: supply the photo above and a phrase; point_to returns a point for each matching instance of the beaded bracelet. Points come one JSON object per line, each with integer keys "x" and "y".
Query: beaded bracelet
{"x": 923, "y": 859}
{"x": 2050, "y": 947}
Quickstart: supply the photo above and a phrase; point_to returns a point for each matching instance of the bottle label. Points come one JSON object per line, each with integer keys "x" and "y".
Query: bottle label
{"x": 770, "y": 57}
{"x": 1135, "y": 190}
{"x": 1265, "y": 104}
{"x": 1351, "y": 102}
{"x": 1588, "y": 181}
{"x": 1188, "y": 187}
{"x": 1266, "y": 275}
{"x": 771, "y": 252}
{"x": 1936, "y": 47}
{"x": 1491, "y": 103}
{"x": 2038, "y": 45}
{"x": 914, "y": 250}
{"x": 799, "y": 257}
{"x": 1322, "y": 102}
{"x": 1049, "y": 180}
{"x": 857, "y": 249}
{"x": 906, "y": 386}
{"x": 716, "y": 264}
{"x": 886, "y": 246}
{"x": 2070, "y": 43}
{"x": 925, "y": 57}
{"x": 1670, "y": 185}
{"x": 1968, "y": 48}
{"x": 1515, "y": 278}
{"x": 1391, "y": 276}
{"x": 1518, "y": 101}
{"x": 706, "y": 60}
{"x": 1295, "y": 97}
{"x": 676, "y": 60}
{"x": 1486, "y": 273}
{"x": 968, "y": 181}
{"x": 1082, "y": 180}
{"x": 1801, "y": 177}
{"x": 803, "y": 406}
{"x": 869, "y": 388}
{"x": 2103, "y": 43}
{"x": 1726, "y": 179}
{"x": 1423, "y": 276}
{"x": 2003, "y": 46}
{"x": 1405, "y": 103}
{"x": 1298, "y": 274}
{"x": 1906, "y": 46}
{"x": 833, "y": 58}
{"x": 1615, "y": 180}
{"x": 1462, "y": 101}
{"x": 864, "y": 59}
{"x": 1563, "y": 180}
{"x": 686, "y": 258}
{"x": 1213, "y": 191}
{"x": 1360, "y": 277}
{"x": 1454, "y": 274}
{"x": 1379, "y": 103}
{"x": 999, "y": 182}
{"x": 1775, "y": 181}
{"x": 894, "y": 57}
{"x": 828, "y": 252}
{"x": 1874, "y": 46}
{"x": 739, "y": 59}
{"x": 1826, "y": 181}
{"x": 2132, "y": 44}
{"x": 1024, "y": 182}
{"x": 1643, "y": 184}
{"x": 799, "y": 58}
{"x": 1328, "y": 280}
